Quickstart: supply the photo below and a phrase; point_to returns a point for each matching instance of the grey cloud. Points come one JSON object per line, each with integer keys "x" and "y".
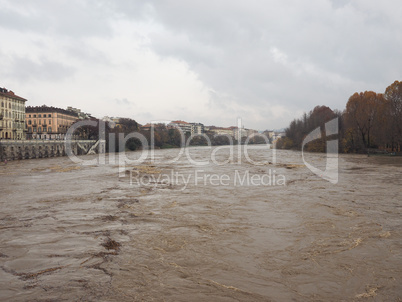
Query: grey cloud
{"x": 25, "y": 69}
{"x": 73, "y": 19}
{"x": 123, "y": 102}
{"x": 255, "y": 54}
{"x": 84, "y": 52}
{"x": 329, "y": 47}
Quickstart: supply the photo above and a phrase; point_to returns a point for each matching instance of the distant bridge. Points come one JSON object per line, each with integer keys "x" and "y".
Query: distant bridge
{"x": 27, "y": 149}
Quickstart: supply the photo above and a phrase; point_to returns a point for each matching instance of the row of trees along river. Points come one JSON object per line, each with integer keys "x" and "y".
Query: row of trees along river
{"x": 370, "y": 121}
{"x": 163, "y": 136}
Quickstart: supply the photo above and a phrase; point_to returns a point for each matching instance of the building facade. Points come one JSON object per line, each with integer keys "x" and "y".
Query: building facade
{"x": 197, "y": 128}
{"x": 183, "y": 126}
{"x": 146, "y": 127}
{"x": 239, "y": 133}
{"x": 221, "y": 130}
{"x": 12, "y": 115}
{"x": 81, "y": 115}
{"x": 191, "y": 128}
{"x": 278, "y": 135}
{"x": 46, "y": 123}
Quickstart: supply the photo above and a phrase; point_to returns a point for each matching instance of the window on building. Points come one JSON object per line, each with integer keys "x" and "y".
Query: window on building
{"x": 29, "y": 129}
{"x": 50, "y": 121}
{"x": 40, "y": 122}
{"x": 40, "y": 129}
{"x": 44, "y": 129}
{"x": 29, "y": 115}
{"x": 29, "y": 122}
{"x": 49, "y": 129}
{"x": 49, "y": 115}
{"x": 39, "y": 115}
{"x": 34, "y": 115}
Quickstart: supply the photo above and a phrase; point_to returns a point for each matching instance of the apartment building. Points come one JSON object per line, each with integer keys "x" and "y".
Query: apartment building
{"x": 197, "y": 128}
{"x": 239, "y": 133}
{"x": 192, "y": 128}
{"x": 81, "y": 115}
{"x": 183, "y": 126}
{"x": 221, "y": 130}
{"x": 44, "y": 122}
{"x": 12, "y": 115}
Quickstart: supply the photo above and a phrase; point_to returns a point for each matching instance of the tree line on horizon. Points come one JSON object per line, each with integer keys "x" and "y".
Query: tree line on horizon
{"x": 370, "y": 121}
{"x": 163, "y": 137}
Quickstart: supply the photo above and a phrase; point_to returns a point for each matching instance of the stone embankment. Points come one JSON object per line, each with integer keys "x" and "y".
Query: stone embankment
{"x": 28, "y": 149}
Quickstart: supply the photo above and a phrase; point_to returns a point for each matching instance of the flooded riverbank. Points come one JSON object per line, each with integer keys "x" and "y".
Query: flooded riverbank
{"x": 82, "y": 233}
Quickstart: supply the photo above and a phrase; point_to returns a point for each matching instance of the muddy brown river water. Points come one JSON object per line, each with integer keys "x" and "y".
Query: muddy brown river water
{"x": 177, "y": 231}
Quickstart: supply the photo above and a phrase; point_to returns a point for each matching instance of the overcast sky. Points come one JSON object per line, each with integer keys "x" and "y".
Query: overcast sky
{"x": 199, "y": 61}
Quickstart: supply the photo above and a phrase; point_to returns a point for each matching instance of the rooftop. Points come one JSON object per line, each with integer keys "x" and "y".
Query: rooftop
{"x": 179, "y": 122}
{"x": 45, "y": 108}
{"x": 11, "y": 94}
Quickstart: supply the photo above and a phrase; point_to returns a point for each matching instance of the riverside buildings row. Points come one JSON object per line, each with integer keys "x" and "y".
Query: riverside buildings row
{"x": 198, "y": 128}
{"x": 19, "y": 122}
